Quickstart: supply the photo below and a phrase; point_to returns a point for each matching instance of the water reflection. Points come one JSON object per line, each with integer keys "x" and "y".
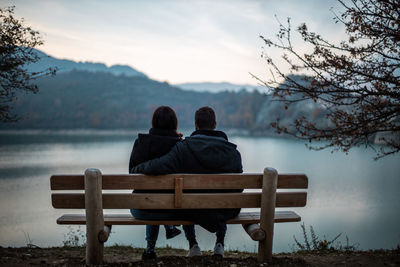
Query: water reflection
{"x": 352, "y": 194}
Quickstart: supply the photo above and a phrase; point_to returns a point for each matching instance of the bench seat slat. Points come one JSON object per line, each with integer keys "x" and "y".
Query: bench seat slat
{"x": 191, "y": 181}
{"x": 189, "y": 201}
{"x": 127, "y": 219}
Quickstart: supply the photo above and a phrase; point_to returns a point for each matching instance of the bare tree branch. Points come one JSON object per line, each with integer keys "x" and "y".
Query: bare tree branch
{"x": 357, "y": 81}
{"x": 17, "y": 43}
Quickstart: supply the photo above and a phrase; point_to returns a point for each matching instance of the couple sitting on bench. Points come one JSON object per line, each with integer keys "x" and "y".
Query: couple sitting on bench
{"x": 163, "y": 151}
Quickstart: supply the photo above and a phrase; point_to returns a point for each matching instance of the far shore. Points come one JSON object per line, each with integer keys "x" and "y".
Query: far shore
{"x": 377, "y": 140}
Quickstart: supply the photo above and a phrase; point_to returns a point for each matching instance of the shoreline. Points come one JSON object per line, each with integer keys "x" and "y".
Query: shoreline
{"x": 129, "y": 256}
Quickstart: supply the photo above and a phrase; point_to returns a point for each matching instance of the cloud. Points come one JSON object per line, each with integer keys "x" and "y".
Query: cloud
{"x": 178, "y": 41}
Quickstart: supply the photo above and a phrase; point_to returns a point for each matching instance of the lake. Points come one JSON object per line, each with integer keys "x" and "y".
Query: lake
{"x": 349, "y": 194}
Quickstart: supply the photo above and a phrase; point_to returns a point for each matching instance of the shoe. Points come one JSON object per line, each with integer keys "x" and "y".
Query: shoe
{"x": 219, "y": 250}
{"x": 149, "y": 255}
{"x": 171, "y": 233}
{"x": 194, "y": 251}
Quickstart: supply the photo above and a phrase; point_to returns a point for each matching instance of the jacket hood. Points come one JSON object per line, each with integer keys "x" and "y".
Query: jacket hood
{"x": 157, "y": 135}
{"x": 214, "y": 153}
{"x": 210, "y": 133}
{"x": 163, "y": 132}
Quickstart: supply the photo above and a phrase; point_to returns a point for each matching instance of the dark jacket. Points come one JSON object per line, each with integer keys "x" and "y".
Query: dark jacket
{"x": 205, "y": 151}
{"x": 155, "y": 144}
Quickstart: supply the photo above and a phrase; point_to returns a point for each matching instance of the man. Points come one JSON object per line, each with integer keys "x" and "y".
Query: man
{"x": 205, "y": 151}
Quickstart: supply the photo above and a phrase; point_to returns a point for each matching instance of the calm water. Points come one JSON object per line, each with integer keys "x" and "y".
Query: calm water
{"x": 350, "y": 194}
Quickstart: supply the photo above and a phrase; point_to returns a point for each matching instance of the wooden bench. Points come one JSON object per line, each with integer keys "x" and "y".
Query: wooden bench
{"x": 259, "y": 225}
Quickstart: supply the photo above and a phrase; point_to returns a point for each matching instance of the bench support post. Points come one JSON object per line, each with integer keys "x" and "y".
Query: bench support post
{"x": 94, "y": 216}
{"x": 268, "y": 199}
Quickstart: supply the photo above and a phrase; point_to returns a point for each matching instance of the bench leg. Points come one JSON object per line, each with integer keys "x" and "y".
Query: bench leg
{"x": 94, "y": 216}
{"x": 267, "y": 215}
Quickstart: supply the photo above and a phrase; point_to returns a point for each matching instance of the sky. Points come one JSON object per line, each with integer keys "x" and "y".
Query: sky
{"x": 175, "y": 41}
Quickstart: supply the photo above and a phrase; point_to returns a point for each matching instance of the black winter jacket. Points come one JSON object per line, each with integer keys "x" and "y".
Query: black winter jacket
{"x": 155, "y": 144}
{"x": 205, "y": 151}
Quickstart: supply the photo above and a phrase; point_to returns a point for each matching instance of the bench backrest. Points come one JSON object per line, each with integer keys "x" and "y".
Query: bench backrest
{"x": 178, "y": 183}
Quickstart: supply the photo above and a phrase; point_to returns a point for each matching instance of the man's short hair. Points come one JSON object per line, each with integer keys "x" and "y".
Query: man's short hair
{"x": 205, "y": 118}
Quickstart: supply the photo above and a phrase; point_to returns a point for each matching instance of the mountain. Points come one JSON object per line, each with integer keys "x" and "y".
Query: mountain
{"x": 220, "y": 87}
{"x": 65, "y": 65}
{"x": 92, "y": 95}
{"x": 83, "y": 99}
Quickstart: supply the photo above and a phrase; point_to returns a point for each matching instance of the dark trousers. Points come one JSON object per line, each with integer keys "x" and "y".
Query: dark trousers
{"x": 153, "y": 230}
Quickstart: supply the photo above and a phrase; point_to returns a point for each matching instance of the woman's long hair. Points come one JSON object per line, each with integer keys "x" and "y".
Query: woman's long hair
{"x": 165, "y": 118}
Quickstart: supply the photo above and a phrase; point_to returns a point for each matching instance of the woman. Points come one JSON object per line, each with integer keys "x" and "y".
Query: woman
{"x": 161, "y": 138}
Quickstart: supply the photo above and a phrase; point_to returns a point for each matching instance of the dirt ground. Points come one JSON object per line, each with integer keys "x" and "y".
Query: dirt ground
{"x": 128, "y": 256}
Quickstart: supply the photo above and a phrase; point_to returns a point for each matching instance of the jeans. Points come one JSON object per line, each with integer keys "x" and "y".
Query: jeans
{"x": 153, "y": 230}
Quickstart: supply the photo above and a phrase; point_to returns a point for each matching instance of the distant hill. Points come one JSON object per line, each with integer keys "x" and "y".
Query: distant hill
{"x": 220, "y": 87}
{"x": 92, "y": 95}
{"x": 65, "y": 65}
{"x": 82, "y": 99}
